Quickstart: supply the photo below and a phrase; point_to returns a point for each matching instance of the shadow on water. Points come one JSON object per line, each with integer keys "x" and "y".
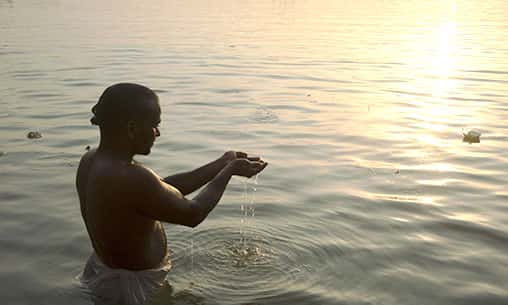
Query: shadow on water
{"x": 168, "y": 296}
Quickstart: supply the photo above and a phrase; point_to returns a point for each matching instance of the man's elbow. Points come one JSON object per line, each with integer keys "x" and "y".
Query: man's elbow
{"x": 197, "y": 216}
{"x": 194, "y": 224}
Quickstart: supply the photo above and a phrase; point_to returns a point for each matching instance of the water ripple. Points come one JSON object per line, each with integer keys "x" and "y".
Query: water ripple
{"x": 242, "y": 264}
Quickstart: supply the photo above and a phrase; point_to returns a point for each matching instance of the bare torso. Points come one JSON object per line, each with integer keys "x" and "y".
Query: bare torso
{"x": 121, "y": 237}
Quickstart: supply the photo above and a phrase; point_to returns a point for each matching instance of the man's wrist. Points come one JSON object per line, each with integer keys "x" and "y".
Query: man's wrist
{"x": 227, "y": 157}
{"x": 227, "y": 169}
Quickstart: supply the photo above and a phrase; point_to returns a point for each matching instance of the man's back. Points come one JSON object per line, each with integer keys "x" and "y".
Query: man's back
{"x": 108, "y": 194}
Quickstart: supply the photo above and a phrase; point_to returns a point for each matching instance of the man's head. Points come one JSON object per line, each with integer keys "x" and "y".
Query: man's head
{"x": 129, "y": 113}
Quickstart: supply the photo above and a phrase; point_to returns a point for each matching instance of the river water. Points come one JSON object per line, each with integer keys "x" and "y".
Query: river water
{"x": 371, "y": 195}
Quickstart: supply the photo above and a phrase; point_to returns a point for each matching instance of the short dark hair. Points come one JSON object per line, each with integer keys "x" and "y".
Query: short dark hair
{"x": 120, "y": 103}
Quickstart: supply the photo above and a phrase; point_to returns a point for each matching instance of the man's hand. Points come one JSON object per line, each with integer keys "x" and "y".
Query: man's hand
{"x": 247, "y": 168}
{"x": 189, "y": 182}
{"x": 233, "y": 155}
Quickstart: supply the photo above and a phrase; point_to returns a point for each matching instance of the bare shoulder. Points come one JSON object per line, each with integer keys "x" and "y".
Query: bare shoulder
{"x": 157, "y": 200}
{"x": 139, "y": 174}
{"x": 84, "y": 165}
{"x": 144, "y": 179}
{"x": 87, "y": 157}
{"x": 119, "y": 176}
{"x": 82, "y": 177}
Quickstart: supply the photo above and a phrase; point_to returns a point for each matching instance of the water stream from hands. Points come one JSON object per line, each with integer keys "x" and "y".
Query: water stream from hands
{"x": 245, "y": 250}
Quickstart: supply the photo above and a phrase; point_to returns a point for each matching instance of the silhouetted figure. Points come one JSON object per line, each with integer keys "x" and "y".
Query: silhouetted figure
{"x": 123, "y": 202}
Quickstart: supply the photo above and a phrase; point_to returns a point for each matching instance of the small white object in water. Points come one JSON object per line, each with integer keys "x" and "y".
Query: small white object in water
{"x": 473, "y": 136}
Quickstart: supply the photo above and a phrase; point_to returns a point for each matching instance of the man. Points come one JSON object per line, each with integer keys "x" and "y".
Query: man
{"x": 123, "y": 202}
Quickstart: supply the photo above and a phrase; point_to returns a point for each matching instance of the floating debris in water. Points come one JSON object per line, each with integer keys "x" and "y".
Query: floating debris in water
{"x": 87, "y": 148}
{"x": 34, "y": 135}
{"x": 264, "y": 115}
{"x": 2, "y": 153}
{"x": 473, "y": 136}
{"x": 397, "y": 172}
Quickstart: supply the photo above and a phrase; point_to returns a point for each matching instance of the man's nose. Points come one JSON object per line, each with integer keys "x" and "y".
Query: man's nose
{"x": 157, "y": 132}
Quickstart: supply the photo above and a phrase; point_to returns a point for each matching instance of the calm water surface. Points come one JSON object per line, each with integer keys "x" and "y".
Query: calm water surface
{"x": 371, "y": 196}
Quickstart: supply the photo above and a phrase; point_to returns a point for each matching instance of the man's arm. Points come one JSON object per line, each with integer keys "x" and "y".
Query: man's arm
{"x": 189, "y": 182}
{"x": 161, "y": 201}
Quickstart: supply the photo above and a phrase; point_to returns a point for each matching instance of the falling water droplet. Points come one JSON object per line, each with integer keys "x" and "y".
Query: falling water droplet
{"x": 192, "y": 254}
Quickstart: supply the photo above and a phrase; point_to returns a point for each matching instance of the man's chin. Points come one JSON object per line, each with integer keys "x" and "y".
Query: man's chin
{"x": 144, "y": 152}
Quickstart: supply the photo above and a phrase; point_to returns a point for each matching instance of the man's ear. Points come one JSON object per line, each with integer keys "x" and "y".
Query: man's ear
{"x": 131, "y": 129}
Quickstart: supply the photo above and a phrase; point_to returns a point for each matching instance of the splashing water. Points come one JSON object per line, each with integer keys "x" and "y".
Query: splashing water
{"x": 248, "y": 211}
{"x": 192, "y": 254}
{"x": 243, "y": 251}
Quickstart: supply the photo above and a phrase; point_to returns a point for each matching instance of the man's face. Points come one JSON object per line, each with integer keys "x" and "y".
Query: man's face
{"x": 147, "y": 129}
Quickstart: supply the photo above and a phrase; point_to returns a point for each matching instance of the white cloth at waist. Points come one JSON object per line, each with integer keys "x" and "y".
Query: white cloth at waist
{"x": 109, "y": 286}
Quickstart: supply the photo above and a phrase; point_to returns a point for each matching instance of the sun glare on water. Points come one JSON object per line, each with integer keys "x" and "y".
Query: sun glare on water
{"x": 434, "y": 69}
{"x": 443, "y": 60}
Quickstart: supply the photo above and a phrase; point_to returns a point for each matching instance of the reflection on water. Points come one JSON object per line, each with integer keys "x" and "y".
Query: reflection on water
{"x": 361, "y": 107}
